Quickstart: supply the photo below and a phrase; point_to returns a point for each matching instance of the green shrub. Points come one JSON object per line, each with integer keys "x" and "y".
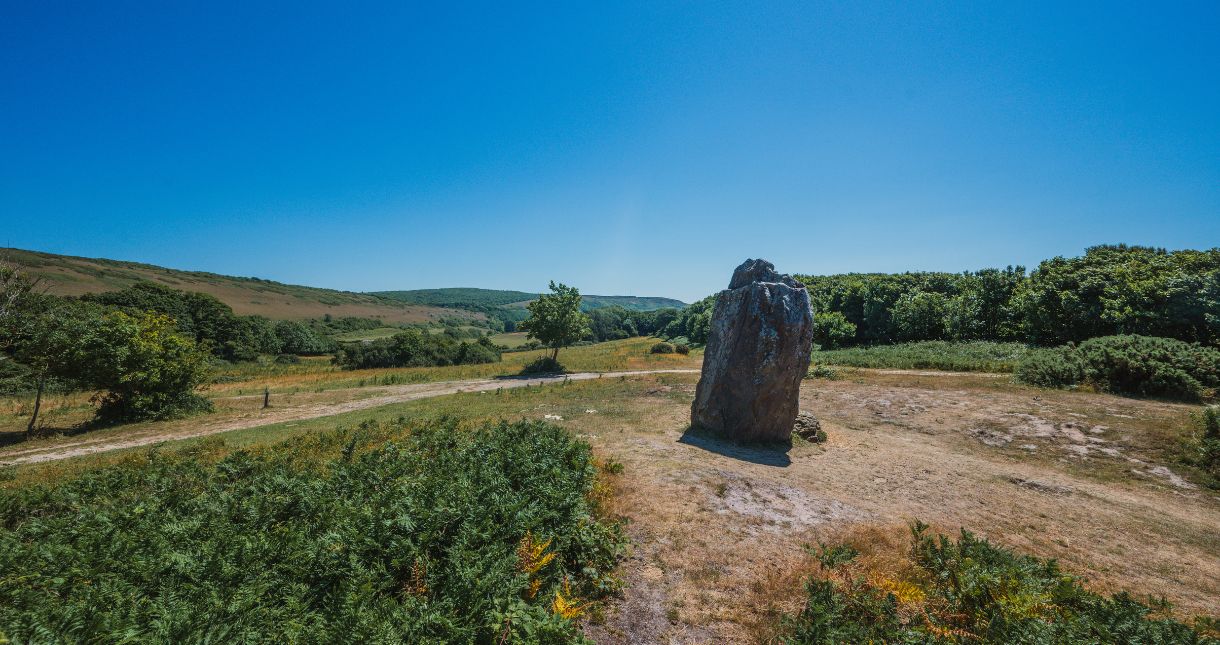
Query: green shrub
{"x": 385, "y": 533}
{"x": 1056, "y": 367}
{"x": 543, "y": 365}
{"x": 145, "y": 367}
{"x": 1203, "y": 447}
{"x": 662, "y": 348}
{"x": 1138, "y": 365}
{"x": 969, "y": 591}
{"x": 682, "y": 348}
{"x": 415, "y": 348}
{"x": 824, "y": 372}
{"x": 832, "y": 330}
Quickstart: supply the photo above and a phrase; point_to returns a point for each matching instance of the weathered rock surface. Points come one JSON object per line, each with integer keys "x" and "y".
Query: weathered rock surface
{"x": 757, "y": 353}
{"x": 808, "y": 428}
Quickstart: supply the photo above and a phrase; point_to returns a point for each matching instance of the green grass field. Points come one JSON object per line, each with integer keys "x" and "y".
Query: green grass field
{"x": 315, "y": 375}
{"x": 367, "y": 334}
{"x": 511, "y": 340}
{"x": 972, "y": 356}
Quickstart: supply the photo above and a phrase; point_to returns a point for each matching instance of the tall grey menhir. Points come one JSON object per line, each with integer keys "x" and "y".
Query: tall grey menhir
{"x": 757, "y": 353}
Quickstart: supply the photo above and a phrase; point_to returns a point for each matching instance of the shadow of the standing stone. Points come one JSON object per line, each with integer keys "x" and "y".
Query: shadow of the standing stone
{"x": 767, "y": 454}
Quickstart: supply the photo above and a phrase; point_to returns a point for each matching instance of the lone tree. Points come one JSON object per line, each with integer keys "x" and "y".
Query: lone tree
{"x": 556, "y": 320}
{"x": 47, "y": 346}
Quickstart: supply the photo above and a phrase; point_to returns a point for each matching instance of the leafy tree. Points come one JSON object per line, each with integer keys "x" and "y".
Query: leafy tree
{"x": 1123, "y": 290}
{"x": 15, "y": 285}
{"x": 416, "y": 348}
{"x": 47, "y": 343}
{"x": 555, "y": 318}
{"x": 920, "y": 315}
{"x": 693, "y": 322}
{"x": 295, "y": 337}
{"x": 832, "y": 330}
{"x": 147, "y": 369}
{"x": 201, "y": 316}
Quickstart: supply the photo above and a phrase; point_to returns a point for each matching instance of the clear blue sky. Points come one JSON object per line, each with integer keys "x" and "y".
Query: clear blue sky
{"x": 643, "y": 149}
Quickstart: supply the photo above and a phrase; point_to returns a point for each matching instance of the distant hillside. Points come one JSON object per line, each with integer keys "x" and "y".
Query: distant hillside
{"x": 480, "y": 299}
{"x": 72, "y": 276}
{"x": 458, "y": 297}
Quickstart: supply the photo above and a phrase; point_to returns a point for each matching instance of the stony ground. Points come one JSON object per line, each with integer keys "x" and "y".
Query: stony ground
{"x": 1068, "y": 475}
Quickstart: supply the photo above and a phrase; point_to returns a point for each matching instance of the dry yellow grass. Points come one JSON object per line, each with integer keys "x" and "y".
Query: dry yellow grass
{"x": 73, "y": 276}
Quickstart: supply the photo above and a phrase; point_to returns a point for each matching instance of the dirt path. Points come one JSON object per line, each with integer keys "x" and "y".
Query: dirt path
{"x": 384, "y": 395}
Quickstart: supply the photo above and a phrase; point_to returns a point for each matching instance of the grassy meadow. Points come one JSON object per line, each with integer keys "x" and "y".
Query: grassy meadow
{"x": 963, "y": 356}
{"x": 237, "y": 387}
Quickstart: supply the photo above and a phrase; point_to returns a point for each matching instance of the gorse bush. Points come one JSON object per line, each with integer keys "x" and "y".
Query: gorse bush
{"x": 662, "y": 348}
{"x": 1139, "y": 365}
{"x": 382, "y": 534}
{"x": 682, "y": 348}
{"x": 969, "y": 591}
{"x": 414, "y": 348}
{"x": 543, "y": 365}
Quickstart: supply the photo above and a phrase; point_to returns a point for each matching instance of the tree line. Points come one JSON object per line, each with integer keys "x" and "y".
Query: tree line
{"x": 1110, "y": 290}
{"x": 145, "y": 349}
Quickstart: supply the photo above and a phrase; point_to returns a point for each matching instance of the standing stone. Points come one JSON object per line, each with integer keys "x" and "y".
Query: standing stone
{"x": 757, "y": 353}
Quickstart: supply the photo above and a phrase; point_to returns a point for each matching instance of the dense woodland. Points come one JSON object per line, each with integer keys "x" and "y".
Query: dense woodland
{"x": 1110, "y": 290}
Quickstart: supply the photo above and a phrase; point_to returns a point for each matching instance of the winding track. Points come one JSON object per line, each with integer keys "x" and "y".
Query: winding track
{"x": 387, "y": 395}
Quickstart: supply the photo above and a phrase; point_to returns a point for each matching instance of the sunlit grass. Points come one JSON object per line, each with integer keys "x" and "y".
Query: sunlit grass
{"x": 318, "y": 374}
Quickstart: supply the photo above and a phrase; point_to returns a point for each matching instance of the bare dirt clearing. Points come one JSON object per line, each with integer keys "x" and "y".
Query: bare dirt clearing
{"x": 713, "y": 522}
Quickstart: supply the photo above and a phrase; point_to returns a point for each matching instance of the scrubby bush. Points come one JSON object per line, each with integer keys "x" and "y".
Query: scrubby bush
{"x": 662, "y": 348}
{"x": 1203, "y": 447}
{"x": 543, "y": 365}
{"x": 968, "y": 591}
{"x": 1056, "y": 367}
{"x": 682, "y": 348}
{"x": 1138, "y": 365}
{"x": 413, "y": 348}
{"x": 382, "y": 534}
{"x": 823, "y": 372}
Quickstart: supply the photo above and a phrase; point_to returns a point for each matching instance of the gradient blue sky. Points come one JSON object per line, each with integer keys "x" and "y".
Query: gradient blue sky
{"x": 637, "y": 149}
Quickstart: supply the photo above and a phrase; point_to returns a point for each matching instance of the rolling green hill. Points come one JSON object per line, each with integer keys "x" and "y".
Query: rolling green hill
{"x": 73, "y": 276}
{"x": 458, "y": 297}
